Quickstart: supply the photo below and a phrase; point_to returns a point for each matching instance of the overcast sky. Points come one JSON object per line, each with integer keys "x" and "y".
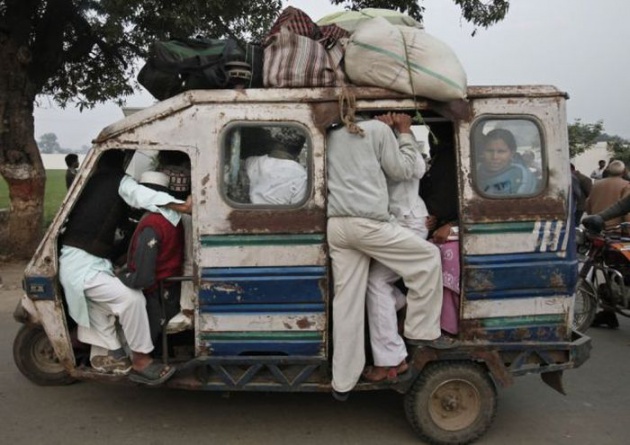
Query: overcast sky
{"x": 580, "y": 46}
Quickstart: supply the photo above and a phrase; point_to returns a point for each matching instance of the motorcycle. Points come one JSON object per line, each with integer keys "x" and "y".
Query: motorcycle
{"x": 604, "y": 276}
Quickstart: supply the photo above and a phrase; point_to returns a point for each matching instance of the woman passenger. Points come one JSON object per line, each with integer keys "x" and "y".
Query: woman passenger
{"x": 500, "y": 172}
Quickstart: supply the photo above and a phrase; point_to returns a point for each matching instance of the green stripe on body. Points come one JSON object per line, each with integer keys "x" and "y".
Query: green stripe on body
{"x": 261, "y": 240}
{"x": 515, "y": 227}
{"x": 258, "y": 336}
{"x": 515, "y": 322}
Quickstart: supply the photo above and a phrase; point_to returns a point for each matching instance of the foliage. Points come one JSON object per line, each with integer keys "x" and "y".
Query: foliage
{"x": 619, "y": 148}
{"x": 48, "y": 143}
{"x": 85, "y": 50}
{"x": 478, "y": 12}
{"x": 583, "y": 136}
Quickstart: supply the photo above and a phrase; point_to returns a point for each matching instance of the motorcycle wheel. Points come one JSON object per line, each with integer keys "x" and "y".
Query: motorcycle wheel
{"x": 584, "y": 305}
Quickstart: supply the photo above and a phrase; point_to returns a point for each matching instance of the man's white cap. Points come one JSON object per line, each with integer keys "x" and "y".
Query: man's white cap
{"x": 155, "y": 178}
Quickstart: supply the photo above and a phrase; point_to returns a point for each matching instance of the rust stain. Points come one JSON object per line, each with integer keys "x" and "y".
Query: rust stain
{"x": 422, "y": 356}
{"x": 455, "y": 110}
{"x": 304, "y": 323}
{"x": 472, "y": 330}
{"x": 556, "y": 280}
{"x": 278, "y": 221}
{"x": 493, "y": 361}
{"x": 480, "y": 209}
{"x": 479, "y": 280}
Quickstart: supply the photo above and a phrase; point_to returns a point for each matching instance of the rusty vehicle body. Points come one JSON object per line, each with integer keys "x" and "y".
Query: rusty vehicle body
{"x": 262, "y": 276}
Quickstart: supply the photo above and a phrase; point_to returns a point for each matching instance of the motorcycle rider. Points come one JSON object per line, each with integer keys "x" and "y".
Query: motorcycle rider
{"x": 596, "y": 223}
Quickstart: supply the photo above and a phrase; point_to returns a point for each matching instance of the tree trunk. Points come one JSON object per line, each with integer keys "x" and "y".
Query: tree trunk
{"x": 20, "y": 162}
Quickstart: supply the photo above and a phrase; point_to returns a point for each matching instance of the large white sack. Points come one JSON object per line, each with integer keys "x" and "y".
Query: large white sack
{"x": 376, "y": 55}
{"x": 350, "y": 20}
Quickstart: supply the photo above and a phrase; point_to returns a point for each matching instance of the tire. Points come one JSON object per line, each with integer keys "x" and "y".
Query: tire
{"x": 35, "y": 358}
{"x": 451, "y": 403}
{"x": 584, "y": 306}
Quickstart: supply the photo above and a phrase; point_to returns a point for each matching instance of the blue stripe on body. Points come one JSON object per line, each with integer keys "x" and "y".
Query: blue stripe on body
{"x": 266, "y": 309}
{"x": 518, "y": 276}
{"x": 263, "y": 285}
{"x": 240, "y": 348}
{"x": 521, "y": 335}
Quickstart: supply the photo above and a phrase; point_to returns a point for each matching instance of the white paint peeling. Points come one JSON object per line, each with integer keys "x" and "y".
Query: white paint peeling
{"x": 516, "y": 307}
{"x": 261, "y": 322}
{"x": 259, "y": 256}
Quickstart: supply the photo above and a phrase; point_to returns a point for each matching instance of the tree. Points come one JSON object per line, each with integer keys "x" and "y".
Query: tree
{"x": 619, "y": 148}
{"x": 83, "y": 51}
{"x": 48, "y": 143}
{"x": 583, "y": 136}
{"x": 478, "y": 12}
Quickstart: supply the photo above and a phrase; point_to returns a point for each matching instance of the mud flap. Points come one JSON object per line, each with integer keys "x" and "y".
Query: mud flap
{"x": 554, "y": 379}
{"x": 19, "y": 314}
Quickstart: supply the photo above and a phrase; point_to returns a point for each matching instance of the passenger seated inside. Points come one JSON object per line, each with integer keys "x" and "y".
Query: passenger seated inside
{"x": 498, "y": 172}
{"x": 438, "y": 188}
{"x": 277, "y": 177}
{"x": 156, "y": 252}
{"x": 176, "y": 165}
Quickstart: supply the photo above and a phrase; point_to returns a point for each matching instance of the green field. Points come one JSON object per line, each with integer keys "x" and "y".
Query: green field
{"x": 55, "y": 192}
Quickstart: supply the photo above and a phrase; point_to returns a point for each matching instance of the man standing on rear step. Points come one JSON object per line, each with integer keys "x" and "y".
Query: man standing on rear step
{"x": 360, "y": 160}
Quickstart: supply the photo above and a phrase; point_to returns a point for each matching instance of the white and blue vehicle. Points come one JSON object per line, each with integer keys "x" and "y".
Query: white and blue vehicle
{"x": 262, "y": 277}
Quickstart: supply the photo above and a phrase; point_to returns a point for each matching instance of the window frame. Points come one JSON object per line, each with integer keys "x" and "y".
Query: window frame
{"x": 475, "y": 158}
{"x": 223, "y": 185}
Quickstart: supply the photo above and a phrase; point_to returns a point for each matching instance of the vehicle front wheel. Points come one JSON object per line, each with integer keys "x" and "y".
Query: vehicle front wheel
{"x": 584, "y": 305}
{"x": 35, "y": 358}
{"x": 451, "y": 403}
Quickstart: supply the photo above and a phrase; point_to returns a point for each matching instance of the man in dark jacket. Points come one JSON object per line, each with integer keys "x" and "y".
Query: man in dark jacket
{"x": 583, "y": 186}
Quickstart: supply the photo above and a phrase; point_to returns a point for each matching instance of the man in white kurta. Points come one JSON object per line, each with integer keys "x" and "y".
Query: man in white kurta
{"x": 275, "y": 180}
{"x": 359, "y": 228}
{"x": 96, "y": 297}
{"x": 383, "y": 298}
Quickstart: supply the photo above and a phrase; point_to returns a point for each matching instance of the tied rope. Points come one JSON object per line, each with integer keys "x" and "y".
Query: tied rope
{"x": 347, "y": 110}
{"x": 418, "y": 116}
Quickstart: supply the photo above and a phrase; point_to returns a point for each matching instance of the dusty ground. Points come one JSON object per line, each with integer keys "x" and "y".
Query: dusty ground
{"x": 11, "y": 274}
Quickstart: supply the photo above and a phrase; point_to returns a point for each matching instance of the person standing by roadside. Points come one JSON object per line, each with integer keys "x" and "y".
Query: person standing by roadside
{"x": 72, "y": 162}
{"x": 584, "y": 185}
{"x": 608, "y": 191}
{"x": 598, "y": 173}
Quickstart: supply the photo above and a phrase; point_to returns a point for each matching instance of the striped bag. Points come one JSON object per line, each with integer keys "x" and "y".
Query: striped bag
{"x": 293, "y": 60}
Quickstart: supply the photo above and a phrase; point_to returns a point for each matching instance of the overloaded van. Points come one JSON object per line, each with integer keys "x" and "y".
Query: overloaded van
{"x": 262, "y": 276}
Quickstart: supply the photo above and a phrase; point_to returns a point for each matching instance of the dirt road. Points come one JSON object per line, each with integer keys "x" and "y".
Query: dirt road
{"x": 594, "y": 412}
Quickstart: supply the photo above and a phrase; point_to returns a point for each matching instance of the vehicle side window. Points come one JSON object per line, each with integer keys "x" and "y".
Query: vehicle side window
{"x": 266, "y": 165}
{"x": 508, "y": 158}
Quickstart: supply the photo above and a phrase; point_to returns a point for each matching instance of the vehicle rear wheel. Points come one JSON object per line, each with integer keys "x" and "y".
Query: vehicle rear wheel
{"x": 451, "y": 403}
{"x": 35, "y": 358}
{"x": 584, "y": 306}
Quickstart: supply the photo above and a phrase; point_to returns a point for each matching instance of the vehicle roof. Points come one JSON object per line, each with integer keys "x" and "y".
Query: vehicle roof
{"x": 162, "y": 109}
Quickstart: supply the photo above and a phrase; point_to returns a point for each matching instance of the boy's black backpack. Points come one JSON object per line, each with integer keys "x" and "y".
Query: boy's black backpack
{"x": 185, "y": 64}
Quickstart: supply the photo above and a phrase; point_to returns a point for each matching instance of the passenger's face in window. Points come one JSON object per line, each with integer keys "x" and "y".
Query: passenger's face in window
{"x": 496, "y": 155}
